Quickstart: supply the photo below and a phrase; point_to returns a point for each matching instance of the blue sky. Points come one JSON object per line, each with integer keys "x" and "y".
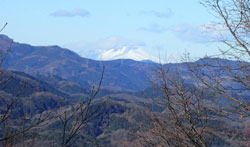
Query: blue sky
{"x": 158, "y": 26}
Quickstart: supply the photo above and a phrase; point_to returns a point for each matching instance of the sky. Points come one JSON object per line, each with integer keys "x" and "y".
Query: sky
{"x": 158, "y": 27}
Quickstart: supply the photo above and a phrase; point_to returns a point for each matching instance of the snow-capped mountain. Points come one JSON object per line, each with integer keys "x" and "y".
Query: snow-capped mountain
{"x": 112, "y": 48}
{"x": 137, "y": 54}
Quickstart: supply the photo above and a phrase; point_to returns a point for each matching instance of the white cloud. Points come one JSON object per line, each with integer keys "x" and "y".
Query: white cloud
{"x": 210, "y": 32}
{"x": 71, "y": 13}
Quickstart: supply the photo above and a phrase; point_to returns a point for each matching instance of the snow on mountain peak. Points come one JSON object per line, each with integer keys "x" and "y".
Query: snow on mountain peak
{"x": 126, "y": 53}
{"x": 112, "y": 48}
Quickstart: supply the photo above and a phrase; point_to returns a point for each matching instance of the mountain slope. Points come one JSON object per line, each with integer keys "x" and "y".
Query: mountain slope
{"x": 28, "y": 94}
{"x": 120, "y": 74}
{"x": 53, "y": 60}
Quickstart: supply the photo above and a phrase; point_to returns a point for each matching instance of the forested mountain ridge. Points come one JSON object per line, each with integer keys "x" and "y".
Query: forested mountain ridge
{"x": 53, "y": 60}
{"x": 51, "y": 79}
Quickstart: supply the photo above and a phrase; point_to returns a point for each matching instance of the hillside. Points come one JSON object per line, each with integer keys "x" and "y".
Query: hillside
{"x": 53, "y": 80}
{"x": 54, "y": 60}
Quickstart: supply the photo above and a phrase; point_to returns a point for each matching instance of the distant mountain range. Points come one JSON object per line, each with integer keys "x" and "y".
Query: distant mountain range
{"x": 53, "y": 60}
{"x": 45, "y": 78}
{"x": 120, "y": 74}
